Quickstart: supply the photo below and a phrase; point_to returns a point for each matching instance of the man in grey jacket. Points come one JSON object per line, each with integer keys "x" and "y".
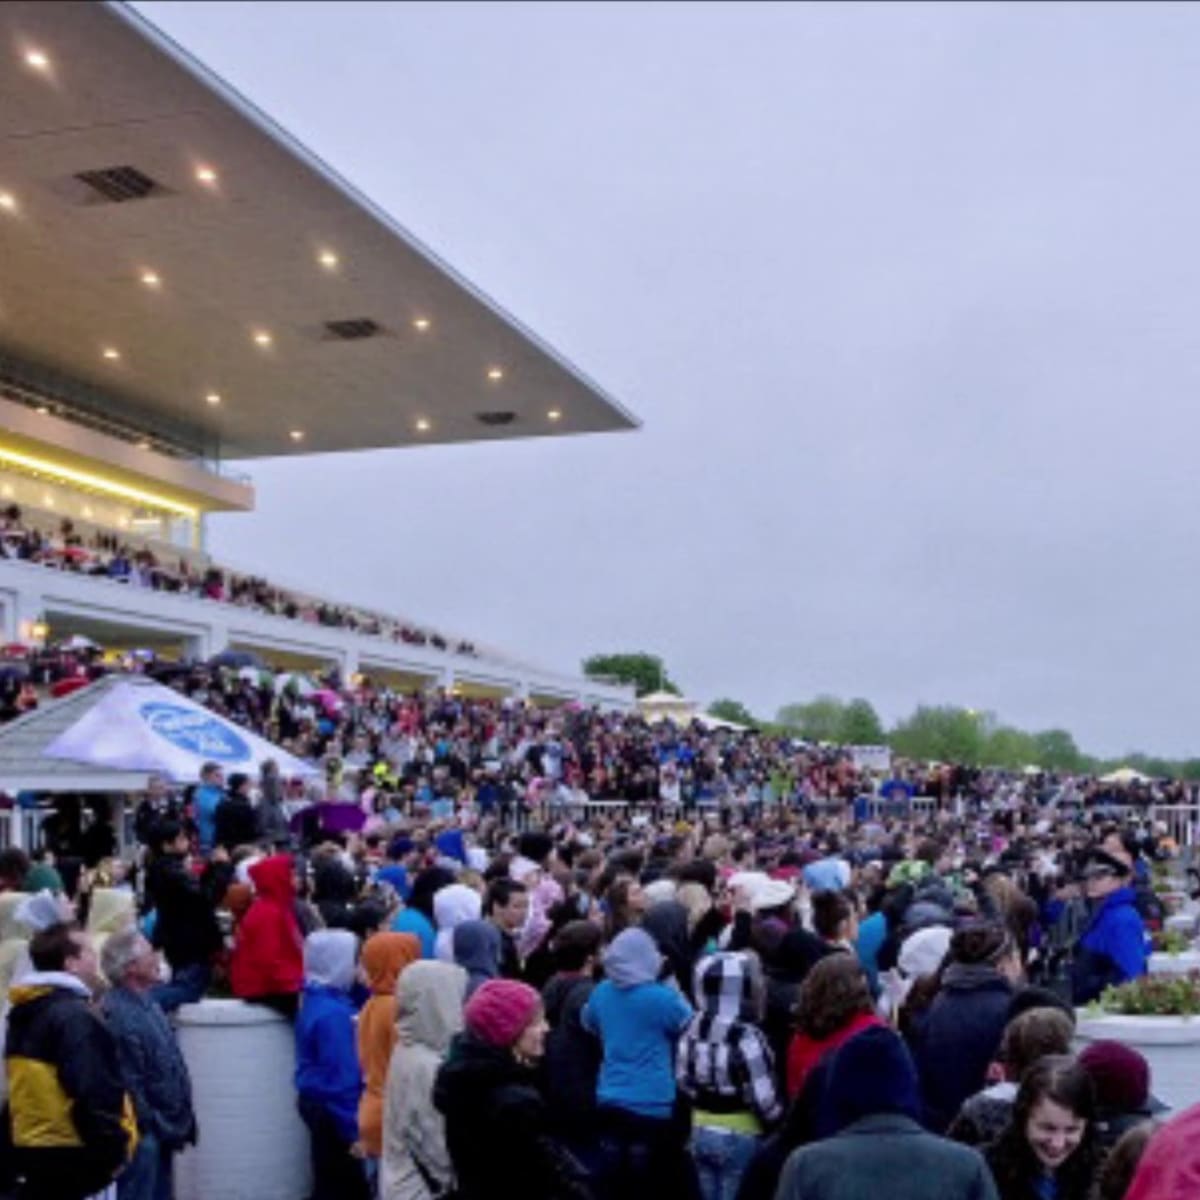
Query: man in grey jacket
{"x": 873, "y": 1103}
{"x": 155, "y": 1073}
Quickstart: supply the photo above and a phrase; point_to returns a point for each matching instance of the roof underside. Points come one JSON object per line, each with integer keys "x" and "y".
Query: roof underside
{"x": 233, "y": 257}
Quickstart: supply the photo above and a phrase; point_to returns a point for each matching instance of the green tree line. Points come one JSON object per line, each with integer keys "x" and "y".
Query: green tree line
{"x": 936, "y": 733}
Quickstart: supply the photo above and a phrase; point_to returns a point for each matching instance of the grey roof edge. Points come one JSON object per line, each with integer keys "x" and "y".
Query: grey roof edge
{"x": 248, "y": 109}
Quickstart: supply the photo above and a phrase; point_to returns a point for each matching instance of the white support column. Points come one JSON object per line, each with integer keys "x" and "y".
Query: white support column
{"x": 26, "y": 610}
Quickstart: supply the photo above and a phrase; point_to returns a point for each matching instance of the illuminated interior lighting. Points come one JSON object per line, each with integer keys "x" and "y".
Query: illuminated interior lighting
{"x": 554, "y": 414}
{"x": 422, "y": 425}
{"x": 421, "y": 323}
{"x": 328, "y": 259}
{"x": 297, "y": 435}
{"x": 8, "y": 201}
{"x": 86, "y": 510}
{"x": 151, "y": 278}
{"x": 108, "y": 487}
{"x": 144, "y": 444}
{"x": 111, "y": 353}
{"x": 213, "y": 398}
{"x": 206, "y": 175}
{"x": 37, "y": 60}
{"x": 42, "y": 410}
{"x": 262, "y": 338}
{"x": 495, "y": 374}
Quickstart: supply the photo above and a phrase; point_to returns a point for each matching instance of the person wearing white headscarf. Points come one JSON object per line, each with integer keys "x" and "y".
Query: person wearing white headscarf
{"x": 451, "y": 907}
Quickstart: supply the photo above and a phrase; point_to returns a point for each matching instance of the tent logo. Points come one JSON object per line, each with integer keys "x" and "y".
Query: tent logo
{"x": 195, "y": 732}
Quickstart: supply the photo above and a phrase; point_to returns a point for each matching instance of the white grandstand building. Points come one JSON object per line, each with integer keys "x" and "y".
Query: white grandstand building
{"x": 183, "y": 286}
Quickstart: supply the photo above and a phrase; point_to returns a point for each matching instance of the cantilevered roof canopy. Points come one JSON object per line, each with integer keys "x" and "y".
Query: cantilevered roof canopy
{"x": 153, "y": 224}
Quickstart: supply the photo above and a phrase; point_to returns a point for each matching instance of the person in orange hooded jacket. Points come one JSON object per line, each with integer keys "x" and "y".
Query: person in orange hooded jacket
{"x": 267, "y": 963}
{"x": 384, "y": 957}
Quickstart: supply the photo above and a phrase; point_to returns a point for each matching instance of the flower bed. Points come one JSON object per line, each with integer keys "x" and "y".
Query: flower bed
{"x": 1159, "y": 1016}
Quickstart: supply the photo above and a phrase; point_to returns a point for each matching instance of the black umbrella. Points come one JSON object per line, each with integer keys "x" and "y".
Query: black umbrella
{"x": 237, "y": 659}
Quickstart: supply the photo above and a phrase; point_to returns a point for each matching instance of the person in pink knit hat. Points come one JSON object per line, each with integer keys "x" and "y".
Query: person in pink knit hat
{"x": 497, "y": 1123}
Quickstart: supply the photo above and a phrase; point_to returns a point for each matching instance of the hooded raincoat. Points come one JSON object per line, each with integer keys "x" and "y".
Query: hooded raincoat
{"x": 385, "y": 956}
{"x": 478, "y": 946}
{"x": 451, "y": 907}
{"x": 327, "y": 1072}
{"x": 268, "y": 957}
{"x": 429, "y": 1004}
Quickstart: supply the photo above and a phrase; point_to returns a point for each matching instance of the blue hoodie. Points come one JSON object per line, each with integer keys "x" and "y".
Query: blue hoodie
{"x": 327, "y": 1070}
{"x": 638, "y": 1022}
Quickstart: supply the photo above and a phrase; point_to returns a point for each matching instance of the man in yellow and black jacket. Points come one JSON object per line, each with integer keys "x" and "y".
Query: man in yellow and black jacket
{"x": 72, "y": 1123}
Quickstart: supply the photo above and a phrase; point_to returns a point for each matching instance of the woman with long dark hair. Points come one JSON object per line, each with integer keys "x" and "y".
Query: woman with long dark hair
{"x": 1048, "y": 1151}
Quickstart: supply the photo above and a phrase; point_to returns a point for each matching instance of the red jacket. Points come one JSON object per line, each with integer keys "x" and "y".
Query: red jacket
{"x": 1170, "y": 1165}
{"x": 804, "y": 1053}
{"x": 268, "y": 956}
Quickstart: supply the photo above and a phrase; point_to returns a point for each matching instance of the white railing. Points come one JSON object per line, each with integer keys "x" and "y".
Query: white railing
{"x": 21, "y": 827}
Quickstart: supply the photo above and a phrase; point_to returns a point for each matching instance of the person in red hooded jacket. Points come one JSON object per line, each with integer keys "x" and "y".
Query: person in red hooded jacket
{"x": 1170, "y": 1165}
{"x": 267, "y": 964}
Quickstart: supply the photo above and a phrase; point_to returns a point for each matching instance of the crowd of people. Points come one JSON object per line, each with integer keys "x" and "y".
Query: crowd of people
{"x": 66, "y": 546}
{"x": 751, "y": 984}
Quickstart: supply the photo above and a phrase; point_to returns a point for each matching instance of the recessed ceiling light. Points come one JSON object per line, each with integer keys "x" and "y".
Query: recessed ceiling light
{"x": 151, "y": 278}
{"x": 297, "y": 435}
{"x": 87, "y": 511}
{"x": 144, "y": 444}
{"x": 422, "y": 425}
{"x": 213, "y": 398}
{"x": 37, "y": 60}
{"x": 327, "y": 259}
{"x": 206, "y": 175}
{"x": 8, "y": 201}
{"x": 111, "y": 353}
{"x": 421, "y": 323}
{"x": 41, "y": 408}
{"x": 495, "y": 373}
{"x": 48, "y": 500}
{"x": 555, "y": 414}
{"x": 262, "y": 338}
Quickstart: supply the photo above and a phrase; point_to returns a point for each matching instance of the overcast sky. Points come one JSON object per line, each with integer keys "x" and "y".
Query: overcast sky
{"x": 905, "y": 295}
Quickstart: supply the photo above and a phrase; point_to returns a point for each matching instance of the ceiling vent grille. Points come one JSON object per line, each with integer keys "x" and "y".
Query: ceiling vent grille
{"x": 355, "y": 329}
{"x": 116, "y": 185}
{"x": 499, "y": 417}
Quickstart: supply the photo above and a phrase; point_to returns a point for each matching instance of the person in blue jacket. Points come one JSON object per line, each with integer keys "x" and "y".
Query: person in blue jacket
{"x": 209, "y": 793}
{"x": 1112, "y": 948}
{"x": 328, "y": 1078}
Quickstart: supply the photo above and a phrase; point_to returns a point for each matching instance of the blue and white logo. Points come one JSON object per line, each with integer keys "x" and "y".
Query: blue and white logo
{"x": 196, "y": 732}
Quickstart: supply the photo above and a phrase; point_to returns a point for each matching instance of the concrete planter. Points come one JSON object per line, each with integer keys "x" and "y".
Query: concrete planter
{"x": 1175, "y": 964}
{"x": 1171, "y": 1045}
{"x": 253, "y": 1144}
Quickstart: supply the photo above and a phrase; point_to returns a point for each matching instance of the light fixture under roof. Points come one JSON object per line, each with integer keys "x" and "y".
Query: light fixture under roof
{"x": 297, "y": 435}
{"x": 423, "y": 425}
{"x": 555, "y": 414}
{"x": 42, "y": 409}
{"x": 495, "y": 374}
{"x": 328, "y": 260}
{"x": 262, "y": 337}
{"x": 206, "y": 175}
{"x": 8, "y": 201}
{"x": 37, "y": 59}
{"x": 143, "y": 444}
{"x": 213, "y": 398}
{"x": 151, "y": 278}
{"x": 111, "y": 353}
{"x": 421, "y": 324}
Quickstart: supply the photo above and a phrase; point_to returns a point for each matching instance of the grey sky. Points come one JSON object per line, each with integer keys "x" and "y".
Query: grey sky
{"x": 905, "y": 296}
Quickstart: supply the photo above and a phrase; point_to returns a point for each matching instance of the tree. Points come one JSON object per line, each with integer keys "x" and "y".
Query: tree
{"x": 1056, "y": 751}
{"x": 645, "y": 671}
{"x": 819, "y": 720}
{"x": 860, "y": 725}
{"x": 940, "y": 734}
{"x": 731, "y": 710}
{"x": 1009, "y": 747}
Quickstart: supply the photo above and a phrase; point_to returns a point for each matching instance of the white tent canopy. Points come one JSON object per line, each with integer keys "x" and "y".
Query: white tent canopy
{"x": 137, "y": 725}
{"x": 1125, "y": 775}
